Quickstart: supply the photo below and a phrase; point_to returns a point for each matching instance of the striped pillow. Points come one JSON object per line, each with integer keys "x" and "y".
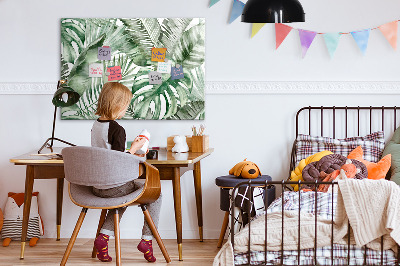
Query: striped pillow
{"x": 372, "y": 145}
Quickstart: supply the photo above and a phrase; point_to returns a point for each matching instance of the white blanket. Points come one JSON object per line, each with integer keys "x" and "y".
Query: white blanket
{"x": 371, "y": 206}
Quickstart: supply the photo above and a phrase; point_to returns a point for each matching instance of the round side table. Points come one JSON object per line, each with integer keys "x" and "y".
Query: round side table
{"x": 228, "y": 182}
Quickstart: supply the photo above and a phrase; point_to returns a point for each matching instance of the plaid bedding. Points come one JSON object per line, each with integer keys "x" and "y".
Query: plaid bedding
{"x": 323, "y": 207}
{"x": 372, "y": 145}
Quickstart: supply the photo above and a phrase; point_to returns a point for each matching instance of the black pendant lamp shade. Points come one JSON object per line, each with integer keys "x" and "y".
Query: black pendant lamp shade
{"x": 273, "y": 11}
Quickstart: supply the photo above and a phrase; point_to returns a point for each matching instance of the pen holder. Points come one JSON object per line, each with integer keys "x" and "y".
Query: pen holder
{"x": 200, "y": 143}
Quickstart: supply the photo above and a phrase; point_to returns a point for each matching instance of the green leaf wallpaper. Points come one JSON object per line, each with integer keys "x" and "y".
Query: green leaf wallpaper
{"x": 131, "y": 41}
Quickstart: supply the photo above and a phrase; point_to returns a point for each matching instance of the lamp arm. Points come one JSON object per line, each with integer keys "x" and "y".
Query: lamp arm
{"x": 54, "y": 126}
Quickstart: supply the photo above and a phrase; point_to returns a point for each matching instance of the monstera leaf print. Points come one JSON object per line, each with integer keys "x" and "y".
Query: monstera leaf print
{"x": 131, "y": 41}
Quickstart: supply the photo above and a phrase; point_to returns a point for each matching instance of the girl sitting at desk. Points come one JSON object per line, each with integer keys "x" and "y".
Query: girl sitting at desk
{"x": 106, "y": 133}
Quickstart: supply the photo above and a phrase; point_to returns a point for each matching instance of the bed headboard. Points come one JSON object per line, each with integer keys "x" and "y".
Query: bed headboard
{"x": 344, "y": 121}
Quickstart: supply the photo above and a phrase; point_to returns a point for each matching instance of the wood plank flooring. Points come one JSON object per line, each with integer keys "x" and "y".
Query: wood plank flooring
{"x": 50, "y": 252}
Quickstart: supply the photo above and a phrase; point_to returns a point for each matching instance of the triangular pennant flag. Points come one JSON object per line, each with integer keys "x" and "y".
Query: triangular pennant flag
{"x": 306, "y": 39}
{"x": 213, "y": 2}
{"x": 361, "y": 37}
{"x": 237, "y": 9}
{"x": 256, "y": 28}
{"x": 390, "y": 32}
{"x": 281, "y": 31}
{"x": 332, "y": 41}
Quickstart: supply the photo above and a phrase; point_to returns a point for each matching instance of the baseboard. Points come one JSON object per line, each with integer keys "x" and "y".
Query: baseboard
{"x": 248, "y": 87}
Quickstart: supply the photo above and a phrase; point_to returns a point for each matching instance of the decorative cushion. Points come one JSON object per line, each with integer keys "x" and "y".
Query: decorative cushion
{"x": 393, "y": 148}
{"x": 372, "y": 144}
{"x": 296, "y": 174}
{"x": 375, "y": 170}
{"x": 327, "y": 165}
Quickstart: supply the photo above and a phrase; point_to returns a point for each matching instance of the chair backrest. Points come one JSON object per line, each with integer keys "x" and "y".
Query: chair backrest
{"x": 92, "y": 166}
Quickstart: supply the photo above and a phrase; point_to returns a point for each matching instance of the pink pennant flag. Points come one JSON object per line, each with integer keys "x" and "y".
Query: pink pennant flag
{"x": 306, "y": 39}
{"x": 389, "y": 30}
{"x": 281, "y": 31}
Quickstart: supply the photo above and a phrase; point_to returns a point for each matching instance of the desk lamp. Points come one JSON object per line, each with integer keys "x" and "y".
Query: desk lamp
{"x": 63, "y": 97}
{"x": 273, "y": 11}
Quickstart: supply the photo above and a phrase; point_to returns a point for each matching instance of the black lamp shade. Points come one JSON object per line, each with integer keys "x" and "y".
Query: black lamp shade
{"x": 273, "y": 11}
{"x": 72, "y": 97}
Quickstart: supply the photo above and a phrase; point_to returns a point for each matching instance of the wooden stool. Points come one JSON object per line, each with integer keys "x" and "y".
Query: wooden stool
{"x": 226, "y": 183}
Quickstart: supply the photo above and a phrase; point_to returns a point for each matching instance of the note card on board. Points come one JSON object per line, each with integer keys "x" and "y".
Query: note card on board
{"x": 177, "y": 72}
{"x": 104, "y": 53}
{"x": 115, "y": 73}
{"x": 164, "y": 67}
{"x": 155, "y": 77}
{"x": 158, "y": 54}
{"x": 96, "y": 70}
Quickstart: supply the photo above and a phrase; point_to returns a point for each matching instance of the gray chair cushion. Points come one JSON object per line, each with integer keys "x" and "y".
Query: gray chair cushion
{"x": 83, "y": 195}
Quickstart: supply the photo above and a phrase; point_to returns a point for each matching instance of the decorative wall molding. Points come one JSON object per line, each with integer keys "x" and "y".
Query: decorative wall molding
{"x": 304, "y": 87}
{"x": 250, "y": 87}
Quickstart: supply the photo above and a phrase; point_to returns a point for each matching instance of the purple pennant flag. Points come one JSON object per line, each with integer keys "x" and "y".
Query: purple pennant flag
{"x": 306, "y": 39}
{"x": 237, "y": 9}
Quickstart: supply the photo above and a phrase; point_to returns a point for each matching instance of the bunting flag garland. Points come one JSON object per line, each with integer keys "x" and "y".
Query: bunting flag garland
{"x": 361, "y": 38}
{"x": 306, "y": 39}
{"x": 256, "y": 28}
{"x": 213, "y": 2}
{"x": 281, "y": 31}
{"x": 332, "y": 41}
{"x": 237, "y": 9}
{"x": 389, "y": 30}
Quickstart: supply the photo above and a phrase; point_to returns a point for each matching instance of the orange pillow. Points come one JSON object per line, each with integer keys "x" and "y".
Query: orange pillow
{"x": 375, "y": 170}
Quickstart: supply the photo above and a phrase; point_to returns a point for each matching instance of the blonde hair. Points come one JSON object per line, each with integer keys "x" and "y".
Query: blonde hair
{"x": 113, "y": 98}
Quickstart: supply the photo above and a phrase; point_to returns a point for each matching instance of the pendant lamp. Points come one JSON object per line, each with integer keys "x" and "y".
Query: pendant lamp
{"x": 273, "y": 11}
{"x": 63, "y": 97}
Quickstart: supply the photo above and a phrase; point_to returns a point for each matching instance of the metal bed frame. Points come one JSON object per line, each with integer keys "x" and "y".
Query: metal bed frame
{"x": 283, "y": 184}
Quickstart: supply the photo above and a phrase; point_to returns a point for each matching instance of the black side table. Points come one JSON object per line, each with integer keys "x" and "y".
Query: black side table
{"x": 226, "y": 183}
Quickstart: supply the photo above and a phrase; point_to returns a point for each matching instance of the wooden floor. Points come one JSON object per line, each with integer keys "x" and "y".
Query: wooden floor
{"x": 50, "y": 252}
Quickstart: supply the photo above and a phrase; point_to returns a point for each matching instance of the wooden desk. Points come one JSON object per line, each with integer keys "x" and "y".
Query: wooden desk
{"x": 168, "y": 164}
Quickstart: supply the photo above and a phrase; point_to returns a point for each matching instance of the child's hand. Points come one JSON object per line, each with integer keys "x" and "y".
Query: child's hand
{"x": 137, "y": 144}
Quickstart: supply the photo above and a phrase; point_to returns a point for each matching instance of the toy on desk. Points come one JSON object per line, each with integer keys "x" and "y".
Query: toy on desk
{"x": 180, "y": 144}
{"x": 245, "y": 169}
{"x": 13, "y": 215}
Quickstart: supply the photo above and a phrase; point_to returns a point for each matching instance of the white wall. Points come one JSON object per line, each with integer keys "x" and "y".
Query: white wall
{"x": 258, "y": 126}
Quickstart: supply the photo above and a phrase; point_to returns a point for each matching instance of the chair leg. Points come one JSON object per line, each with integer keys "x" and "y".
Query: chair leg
{"x": 223, "y": 229}
{"x": 73, "y": 237}
{"x": 101, "y": 222}
{"x": 117, "y": 239}
{"x": 154, "y": 230}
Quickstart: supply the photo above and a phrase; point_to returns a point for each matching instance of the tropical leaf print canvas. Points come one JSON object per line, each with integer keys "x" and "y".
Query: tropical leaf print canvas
{"x": 131, "y": 41}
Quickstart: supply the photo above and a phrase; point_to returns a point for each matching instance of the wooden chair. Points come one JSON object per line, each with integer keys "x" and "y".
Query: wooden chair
{"x": 85, "y": 167}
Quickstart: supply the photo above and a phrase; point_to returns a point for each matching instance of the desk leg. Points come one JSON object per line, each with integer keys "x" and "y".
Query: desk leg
{"x": 60, "y": 190}
{"x": 27, "y": 206}
{"x": 176, "y": 182}
{"x": 199, "y": 204}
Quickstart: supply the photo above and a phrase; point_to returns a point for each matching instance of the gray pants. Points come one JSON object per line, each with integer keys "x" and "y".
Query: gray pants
{"x": 154, "y": 208}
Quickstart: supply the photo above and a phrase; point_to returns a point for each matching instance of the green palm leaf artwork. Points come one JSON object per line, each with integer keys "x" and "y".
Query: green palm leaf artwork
{"x": 131, "y": 41}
